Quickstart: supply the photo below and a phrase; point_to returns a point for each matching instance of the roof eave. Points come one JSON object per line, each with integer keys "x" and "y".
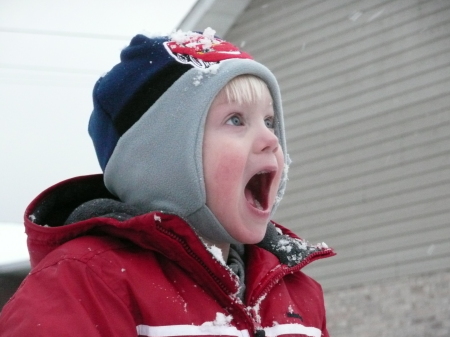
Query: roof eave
{"x": 219, "y": 15}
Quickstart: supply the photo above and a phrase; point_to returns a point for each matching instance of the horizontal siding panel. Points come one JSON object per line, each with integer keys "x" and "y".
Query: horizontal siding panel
{"x": 424, "y": 240}
{"x": 278, "y": 18}
{"x": 367, "y": 73}
{"x": 380, "y": 131}
{"x": 395, "y": 200}
{"x": 382, "y": 157}
{"x": 271, "y": 13}
{"x": 382, "y": 259}
{"x": 402, "y": 77}
{"x": 372, "y": 193}
{"x": 328, "y": 116}
{"x": 316, "y": 229}
{"x": 336, "y": 28}
{"x": 392, "y": 163}
{"x": 315, "y": 24}
{"x": 360, "y": 184}
{"x": 427, "y": 247}
{"x": 366, "y": 94}
{"x": 419, "y": 85}
{"x": 340, "y": 46}
{"x": 414, "y": 267}
{"x": 362, "y": 129}
{"x": 356, "y": 239}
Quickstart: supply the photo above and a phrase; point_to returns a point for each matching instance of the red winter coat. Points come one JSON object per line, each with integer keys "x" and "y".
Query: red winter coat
{"x": 149, "y": 275}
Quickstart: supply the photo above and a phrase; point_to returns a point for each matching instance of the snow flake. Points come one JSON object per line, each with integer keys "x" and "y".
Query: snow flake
{"x": 209, "y": 33}
{"x": 277, "y": 200}
{"x": 355, "y": 16}
{"x": 377, "y": 14}
{"x": 290, "y": 245}
{"x": 180, "y": 37}
{"x": 123, "y": 270}
{"x": 292, "y": 251}
{"x": 217, "y": 253}
{"x": 256, "y": 308}
{"x": 198, "y": 78}
{"x": 212, "y": 69}
{"x": 191, "y": 39}
{"x": 284, "y": 245}
{"x": 290, "y": 309}
{"x": 286, "y": 169}
{"x": 32, "y": 217}
{"x": 206, "y": 43}
{"x": 220, "y": 320}
{"x": 157, "y": 218}
{"x": 322, "y": 245}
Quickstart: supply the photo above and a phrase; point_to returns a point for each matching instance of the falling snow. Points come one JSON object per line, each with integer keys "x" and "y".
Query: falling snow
{"x": 355, "y": 16}
{"x": 376, "y": 15}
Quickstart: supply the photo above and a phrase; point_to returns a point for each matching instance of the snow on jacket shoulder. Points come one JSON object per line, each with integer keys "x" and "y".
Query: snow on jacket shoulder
{"x": 151, "y": 275}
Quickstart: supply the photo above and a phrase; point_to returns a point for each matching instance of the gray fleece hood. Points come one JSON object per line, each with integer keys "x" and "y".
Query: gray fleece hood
{"x": 156, "y": 163}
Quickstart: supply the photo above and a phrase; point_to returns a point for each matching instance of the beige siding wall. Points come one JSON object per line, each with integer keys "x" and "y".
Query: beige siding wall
{"x": 366, "y": 88}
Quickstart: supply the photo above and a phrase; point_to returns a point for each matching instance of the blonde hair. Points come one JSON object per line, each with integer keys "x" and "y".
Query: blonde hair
{"x": 245, "y": 89}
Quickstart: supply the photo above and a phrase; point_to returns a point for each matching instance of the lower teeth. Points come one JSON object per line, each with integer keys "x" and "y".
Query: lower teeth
{"x": 258, "y": 205}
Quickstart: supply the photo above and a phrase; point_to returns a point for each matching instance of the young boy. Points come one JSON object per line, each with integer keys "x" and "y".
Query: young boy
{"x": 175, "y": 238}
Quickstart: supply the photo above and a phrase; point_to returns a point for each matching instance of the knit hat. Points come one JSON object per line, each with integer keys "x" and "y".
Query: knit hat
{"x": 148, "y": 122}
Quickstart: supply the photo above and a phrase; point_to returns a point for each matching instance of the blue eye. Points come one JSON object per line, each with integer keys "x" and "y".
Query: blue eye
{"x": 269, "y": 122}
{"x": 235, "y": 120}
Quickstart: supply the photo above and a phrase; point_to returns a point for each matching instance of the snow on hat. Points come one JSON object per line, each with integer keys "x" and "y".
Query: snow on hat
{"x": 148, "y": 122}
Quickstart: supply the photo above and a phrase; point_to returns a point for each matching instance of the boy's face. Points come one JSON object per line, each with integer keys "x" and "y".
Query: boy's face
{"x": 242, "y": 163}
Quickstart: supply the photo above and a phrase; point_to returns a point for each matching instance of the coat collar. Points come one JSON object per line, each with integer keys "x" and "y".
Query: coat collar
{"x": 280, "y": 252}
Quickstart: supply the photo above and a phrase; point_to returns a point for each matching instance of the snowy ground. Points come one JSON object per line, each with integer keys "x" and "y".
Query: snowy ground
{"x": 13, "y": 248}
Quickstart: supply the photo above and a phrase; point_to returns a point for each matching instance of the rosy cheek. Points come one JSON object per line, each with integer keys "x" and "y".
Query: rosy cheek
{"x": 227, "y": 169}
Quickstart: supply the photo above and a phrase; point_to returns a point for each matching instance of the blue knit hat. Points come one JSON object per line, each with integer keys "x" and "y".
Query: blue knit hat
{"x": 148, "y": 122}
{"x": 148, "y": 67}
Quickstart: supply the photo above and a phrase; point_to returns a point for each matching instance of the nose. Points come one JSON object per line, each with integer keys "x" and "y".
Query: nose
{"x": 266, "y": 140}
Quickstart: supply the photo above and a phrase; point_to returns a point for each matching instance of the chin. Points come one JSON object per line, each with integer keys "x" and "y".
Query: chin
{"x": 251, "y": 237}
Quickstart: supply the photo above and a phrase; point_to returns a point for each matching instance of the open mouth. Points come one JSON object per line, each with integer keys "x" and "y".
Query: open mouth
{"x": 258, "y": 188}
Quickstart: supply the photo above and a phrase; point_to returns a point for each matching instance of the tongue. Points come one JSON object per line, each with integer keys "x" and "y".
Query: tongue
{"x": 253, "y": 201}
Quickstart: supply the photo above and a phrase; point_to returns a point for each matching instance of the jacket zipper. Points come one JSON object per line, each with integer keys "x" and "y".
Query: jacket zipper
{"x": 194, "y": 255}
{"x": 248, "y": 314}
{"x": 224, "y": 288}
